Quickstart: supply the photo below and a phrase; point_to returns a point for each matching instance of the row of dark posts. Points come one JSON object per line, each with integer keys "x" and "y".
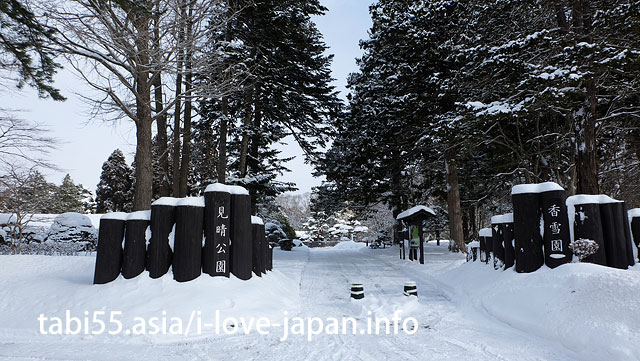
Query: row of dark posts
{"x": 214, "y": 234}
{"x": 539, "y": 230}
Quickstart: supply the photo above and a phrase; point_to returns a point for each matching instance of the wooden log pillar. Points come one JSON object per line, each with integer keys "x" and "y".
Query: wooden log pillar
{"x": 556, "y": 236}
{"x": 421, "y": 237}
{"x": 270, "y": 259}
{"x": 241, "y": 243}
{"x": 628, "y": 239}
{"x": 109, "y": 251}
{"x": 509, "y": 249}
{"x": 257, "y": 253}
{"x": 485, "y": 235}
{"x": 217, "y": 230}
{"x": 135, "y": 244}
{"x": 587, "y": 225}
{"x": 526, "y": 229}
{"x": 614, "y": 225}
{"x": 497, "y": 241}
{"x": 634, "y": 216}
{"x": 159, "y": 253}
{"x": 264, "y": 244}
{"x": 187, "y": 248}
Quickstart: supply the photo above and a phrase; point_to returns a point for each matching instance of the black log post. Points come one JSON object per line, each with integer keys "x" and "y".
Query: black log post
{"x": 109, "y": 252}
{"x": 264, "y": 245}
{"x": 485, "y": 237}
{"x": 509, "y": 250}
{"x": 217, "y": 230}
{"x": 498, "y": 241}
{"x": 187, "y": 248}
{"x": 556, "y": 235}
{"x": 159, "y": 254}
{"x": 634, "y": 216}
{"x": 628, "y": 239}
{"x": 256, "y": 239}
{"x": 526, "y": 228}
{"x": 270, "y": 258}
{"x": 587, "y": 225}
{"x": 135, "y": 244}
{"x": 241, "y": 244}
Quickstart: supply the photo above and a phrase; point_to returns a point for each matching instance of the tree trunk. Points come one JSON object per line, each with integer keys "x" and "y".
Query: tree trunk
{"x": 453, "y": 200}
{"x": 585, "y": 128}
{"x": 144, "y": 167}
{"x": 163, "y": 153}
{"x": 178, "y": 109}
{"x": 186, "y": 133}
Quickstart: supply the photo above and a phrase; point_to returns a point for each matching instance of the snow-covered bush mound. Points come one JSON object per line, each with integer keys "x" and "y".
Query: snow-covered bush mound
{"x": 73, "y": 228}
{"x": 349, "y": 245}
{"x": 274, "y": 232}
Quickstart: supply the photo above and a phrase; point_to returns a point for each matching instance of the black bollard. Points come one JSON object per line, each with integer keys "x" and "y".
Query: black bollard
{"x": 135, "y": 244}
{"x": 159, "y": 253}
{"x": 257, "y": 251}
{"x": 241, "y": 244}
{"x": 109, "y": 252}
{"x": 357, "y": 291}
{"x": 526, "y": 226}
{"x": 187, "y": 248}
{"x": 509, "y": 249}
{"x": 587, "y": 225}
{"x": 485, "y": 237}
{"x": 556, "y": 237}
{"x": 616, "y": 244}
{"x": 410, "y": 289}
{"x": 498, "y": 241}
{"x": 217, "y": 230}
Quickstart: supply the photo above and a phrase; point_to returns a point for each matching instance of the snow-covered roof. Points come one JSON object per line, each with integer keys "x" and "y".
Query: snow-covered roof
{"x": 417, "y": 209}
{"x": 536, "y": 188}
{"x": 502, "y": 218}
{"x": 485, "y": 232}
{"x": 590, "y": 199}
{"x": 256, "y": 220}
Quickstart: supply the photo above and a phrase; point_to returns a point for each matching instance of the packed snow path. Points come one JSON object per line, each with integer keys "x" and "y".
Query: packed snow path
{"x": 451, "y": 327}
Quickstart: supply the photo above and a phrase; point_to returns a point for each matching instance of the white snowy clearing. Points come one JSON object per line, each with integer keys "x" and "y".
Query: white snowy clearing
{"x": 466, "y": 311}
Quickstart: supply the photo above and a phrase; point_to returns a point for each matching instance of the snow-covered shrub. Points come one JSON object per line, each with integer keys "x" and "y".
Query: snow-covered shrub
{"x": 274, "y": 232}
{"x": 73, "y": 228}
{"x": 286, "y": 244}
{"x": 584, "y": 248}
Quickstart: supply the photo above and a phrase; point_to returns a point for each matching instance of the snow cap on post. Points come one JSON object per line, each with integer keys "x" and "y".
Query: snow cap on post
{"x": 119, "y": 216}
{"x": 256, "y": 220}
{"x": 191, "y": 202}
{"x": 166, "y": 201}
{"x": 536, "y": 188}
{"x": 139, "y": 216}
{"x": 485, "y": 232}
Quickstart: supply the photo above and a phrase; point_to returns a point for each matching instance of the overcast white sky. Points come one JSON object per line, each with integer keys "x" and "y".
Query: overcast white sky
{"x": 86, "y": 144}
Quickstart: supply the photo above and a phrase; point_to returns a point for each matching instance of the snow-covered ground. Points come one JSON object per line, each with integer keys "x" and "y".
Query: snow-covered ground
{"x": 465, "y": 311}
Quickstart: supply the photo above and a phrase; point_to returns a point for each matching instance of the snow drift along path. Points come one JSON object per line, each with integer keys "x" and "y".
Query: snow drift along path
{"x": 465, "y": 311}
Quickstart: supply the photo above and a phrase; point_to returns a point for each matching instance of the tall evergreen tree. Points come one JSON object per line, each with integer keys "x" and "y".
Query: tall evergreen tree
{"x": 115, "y": 189}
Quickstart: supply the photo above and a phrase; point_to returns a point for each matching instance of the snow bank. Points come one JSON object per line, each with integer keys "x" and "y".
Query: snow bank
{"x": 414, "y": 210}
{"x": 34, "y": 285}
{"x": 7, "y": 218}
{"x": 349, "y": 245}
{"x": 587, "y": 308}
{"x": 485, "y": 232}
{"x": 219, "y": 187}
{"x": 121, "y": 216}
{"x": 536, "y": 188}
{"x": 256, "y": 220}
{"x": 191, "y": 202}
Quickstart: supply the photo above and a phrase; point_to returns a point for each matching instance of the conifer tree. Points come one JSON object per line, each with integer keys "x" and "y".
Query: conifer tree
{"x": 115, "y": 189}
